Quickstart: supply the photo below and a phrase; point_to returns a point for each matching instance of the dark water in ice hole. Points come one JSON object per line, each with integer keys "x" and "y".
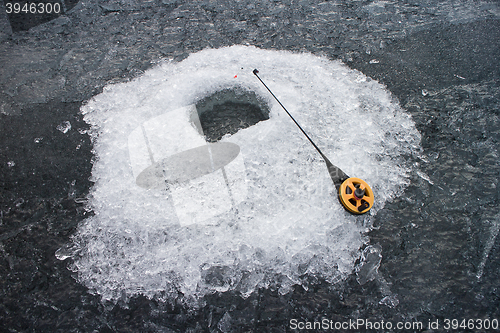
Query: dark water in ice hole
{"x": 228, "y": 111}
{"x": 440, "y": 250}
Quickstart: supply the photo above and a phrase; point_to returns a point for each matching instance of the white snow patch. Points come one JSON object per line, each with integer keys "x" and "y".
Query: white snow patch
{"x": 288, "y": 224}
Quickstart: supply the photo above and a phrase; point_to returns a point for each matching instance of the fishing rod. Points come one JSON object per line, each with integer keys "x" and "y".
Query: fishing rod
{"x": 354, "y": 193}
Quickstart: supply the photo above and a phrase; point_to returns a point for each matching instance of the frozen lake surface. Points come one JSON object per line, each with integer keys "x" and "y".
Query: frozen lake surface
{"x": 262, "y": 239}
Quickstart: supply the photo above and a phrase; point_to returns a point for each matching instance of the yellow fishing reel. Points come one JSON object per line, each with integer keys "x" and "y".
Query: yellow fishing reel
{"x": 356, "y": 195}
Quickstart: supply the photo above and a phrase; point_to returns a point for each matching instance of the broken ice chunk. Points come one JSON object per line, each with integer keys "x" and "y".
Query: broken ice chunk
{"x": 390, "y": 301}
{"x": 64, "y": 127}
{"x": 370, "y": 262}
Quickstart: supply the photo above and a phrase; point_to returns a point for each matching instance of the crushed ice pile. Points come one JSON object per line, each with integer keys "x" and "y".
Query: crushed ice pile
{"x": 284, "y": 223}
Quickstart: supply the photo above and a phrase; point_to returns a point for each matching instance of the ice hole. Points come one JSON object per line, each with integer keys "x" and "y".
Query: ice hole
{"x": 229, "y": 110}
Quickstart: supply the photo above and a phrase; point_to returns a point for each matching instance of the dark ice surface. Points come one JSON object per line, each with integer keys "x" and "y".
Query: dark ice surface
{"x": 438, "y": 243}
